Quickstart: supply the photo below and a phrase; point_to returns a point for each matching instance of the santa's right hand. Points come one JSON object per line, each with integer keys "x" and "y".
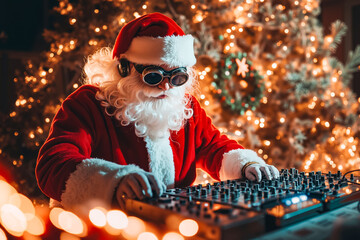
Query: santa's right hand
{"x": 138, "y": 185}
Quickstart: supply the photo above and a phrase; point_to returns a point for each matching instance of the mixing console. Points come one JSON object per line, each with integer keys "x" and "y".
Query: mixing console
{"x": 234, "y": 208}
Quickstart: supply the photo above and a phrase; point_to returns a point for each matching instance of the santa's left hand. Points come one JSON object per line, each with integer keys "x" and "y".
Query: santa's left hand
{"x": 255, "y": 172}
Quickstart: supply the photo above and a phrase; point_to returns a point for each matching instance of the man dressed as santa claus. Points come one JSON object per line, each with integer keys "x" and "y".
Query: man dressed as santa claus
{"x": 134, "y": 129}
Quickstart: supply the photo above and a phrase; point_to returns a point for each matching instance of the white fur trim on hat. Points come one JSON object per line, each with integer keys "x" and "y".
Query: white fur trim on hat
{"x": 234, "y": 160}
{"x": 161, "y": 161}
{"x": 93, "y": 183}
{"x": 175, "y": 51}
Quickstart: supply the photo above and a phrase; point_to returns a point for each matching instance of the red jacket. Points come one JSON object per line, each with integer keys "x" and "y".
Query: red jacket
{"x": 87, "y": 151}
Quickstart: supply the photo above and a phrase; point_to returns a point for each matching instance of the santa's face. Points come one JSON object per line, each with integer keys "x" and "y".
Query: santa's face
{"x": 153, "y": 110}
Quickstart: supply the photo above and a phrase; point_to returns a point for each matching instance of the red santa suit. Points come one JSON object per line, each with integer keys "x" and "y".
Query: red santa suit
{"x": 87, "y": 152}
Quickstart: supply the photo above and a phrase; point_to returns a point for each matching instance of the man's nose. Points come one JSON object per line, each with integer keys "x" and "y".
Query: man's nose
{"x": 164, "y": 85}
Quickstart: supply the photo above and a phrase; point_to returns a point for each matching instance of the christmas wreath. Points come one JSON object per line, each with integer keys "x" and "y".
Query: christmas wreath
{"x": 237, "y": 84}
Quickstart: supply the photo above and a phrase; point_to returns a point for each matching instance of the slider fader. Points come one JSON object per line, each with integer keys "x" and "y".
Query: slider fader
{"x": 242, "y": 209}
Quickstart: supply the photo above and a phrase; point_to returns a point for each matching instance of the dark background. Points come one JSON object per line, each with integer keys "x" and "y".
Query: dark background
{"x": 22, "y": 23}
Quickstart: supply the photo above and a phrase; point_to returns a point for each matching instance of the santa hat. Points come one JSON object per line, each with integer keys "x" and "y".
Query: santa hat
{"x": 155, "y": 39}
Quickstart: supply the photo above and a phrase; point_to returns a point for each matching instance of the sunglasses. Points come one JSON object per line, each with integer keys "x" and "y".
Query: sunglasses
{"x": 153, "y": 75}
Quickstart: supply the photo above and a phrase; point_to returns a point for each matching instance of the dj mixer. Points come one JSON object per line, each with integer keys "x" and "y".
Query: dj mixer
{"x": 242, "y": 209}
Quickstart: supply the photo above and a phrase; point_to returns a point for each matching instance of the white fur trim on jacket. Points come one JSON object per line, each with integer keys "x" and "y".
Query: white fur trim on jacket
{"x": 175, "y": 51}
{"x": 161, "y": 160}
{"x": 93, "y": 182}
{"x": 234, "y": 160}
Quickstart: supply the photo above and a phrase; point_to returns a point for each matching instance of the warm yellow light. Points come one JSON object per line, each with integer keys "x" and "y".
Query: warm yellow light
{"x": 188, "y": 227}
{"x": 134, "y": 228}
{"x": 260, "y": 151}
{"x": 329, "y": 39}
{"x": 3, "y": 235}
{"x": 237, "y": 133}
{"x": 97, "y": 29}
{"x": 97, "y": 217}
{"x": 24, "y": 204}
{"x": 243, "y": 84}
{"x": 71, "y": 223}
{"x": 172, "y": 236}
{"x": 144, "y": 6}
{"x": 147, "y": 236}
{"x": 31, "y": 135}
{"x": 317, "y": 120}
{"x": 282, "y": 119}
{"x": 193, "y": 6}
{"x": 267, "y": 143}
{"x": 327, "y": 124}
{"x": 13, "y": 220}
{"x": 36, "y": 226}
{"x": 54, "y": 216}
{"x": 117, "y": 219}
{"x": 274, "y": 65}
{"x": 6, "y": 191}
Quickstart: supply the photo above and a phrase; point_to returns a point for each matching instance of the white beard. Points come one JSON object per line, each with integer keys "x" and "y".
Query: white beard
{"x": 153, "y": 117}
{"x": 136, "y": 103}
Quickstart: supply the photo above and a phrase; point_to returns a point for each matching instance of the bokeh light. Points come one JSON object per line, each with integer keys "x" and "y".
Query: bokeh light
{"x": 117, "y": 219}
{"x": 188, "y": 227}
{"x": 172, "y": 236}
{"x": 13, "y": 220}
{"x": 71, "y": 223}
{"x": 97, "y": 217}
{"x": 147, "y": 236}
{"x": 134, "y": 228}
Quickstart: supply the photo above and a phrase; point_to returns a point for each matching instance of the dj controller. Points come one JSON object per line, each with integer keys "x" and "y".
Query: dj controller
{"x": 242, "y": 209}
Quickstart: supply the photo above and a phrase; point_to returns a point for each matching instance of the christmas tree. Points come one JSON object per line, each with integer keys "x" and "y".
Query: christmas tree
{"x": 267, "y": 74}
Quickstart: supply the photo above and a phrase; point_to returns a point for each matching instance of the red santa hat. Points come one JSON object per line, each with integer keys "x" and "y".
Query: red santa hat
{"x": 155, "y": 39}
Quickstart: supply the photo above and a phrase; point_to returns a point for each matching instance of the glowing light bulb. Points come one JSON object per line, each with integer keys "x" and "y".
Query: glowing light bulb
{"x": 98, "y": 217}
{"x": 13, "y": 219}
{"x": 188, "y": 227}
{"x": 117, "y": 219}
{"x": 172, "y": 236}
{"x": 71, "y": 223}
{"x": 147, "y": 236}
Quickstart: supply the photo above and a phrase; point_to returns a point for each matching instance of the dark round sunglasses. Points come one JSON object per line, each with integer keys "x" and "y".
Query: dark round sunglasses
{"x": 153, "y": 75}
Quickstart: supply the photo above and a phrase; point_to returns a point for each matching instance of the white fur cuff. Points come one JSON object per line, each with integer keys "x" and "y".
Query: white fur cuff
{"x": 234, "y": 160}
{"x": 93, "y": 184}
